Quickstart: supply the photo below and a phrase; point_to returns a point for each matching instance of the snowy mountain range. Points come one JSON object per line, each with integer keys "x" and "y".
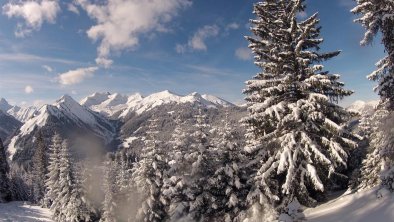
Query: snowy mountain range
{"x": 111, "y": 117}
{"x": 104, "y": 116}
{"x": 363, "y": 108}
{"x": 21, "y": 114}
{"x": 66, "y": 117}
{"x": 121, "y": 106}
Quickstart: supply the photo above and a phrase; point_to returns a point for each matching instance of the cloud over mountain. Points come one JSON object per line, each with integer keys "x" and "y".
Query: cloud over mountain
{"x": 33, "y": 12}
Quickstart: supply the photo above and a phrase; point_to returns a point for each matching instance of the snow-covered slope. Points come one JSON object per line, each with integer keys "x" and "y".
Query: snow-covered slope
{"x": 364, "y": 206}
{"x": 95, "y": 99}
{"x": 8, "y": 125}
{"x": 111, "y": 104}
{"x": 4, "y": 105}
{"x": 217, "y": 100}
{"x": 66, "y": 115}
{"x": 106, "y": 103}
{"x": 21, "y": 114}
{"x": 23, "y": 212}
{"x": 362, "y": 107}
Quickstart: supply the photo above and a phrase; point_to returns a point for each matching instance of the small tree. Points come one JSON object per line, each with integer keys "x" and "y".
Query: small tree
{"x": 52, "y": 181}
{"x": 5, "y": 192}
{"x": 40, "y": 168}
{"x": 111, "y": 191}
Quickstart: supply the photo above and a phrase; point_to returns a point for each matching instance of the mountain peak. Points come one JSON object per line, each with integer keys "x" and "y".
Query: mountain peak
{"x": 66, "y": 99}
{"x": 95, "y": 99}
{"x": 195, "y": 94}
{"x": 4, "y": 105}
{"x": 362, "y": 107}
{"x": 165, "y": 92}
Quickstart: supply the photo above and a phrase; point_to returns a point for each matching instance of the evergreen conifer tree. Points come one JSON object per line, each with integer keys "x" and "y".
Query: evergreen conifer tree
{"x": 200, "y": 162}
{"x": 40, "y": 168}
{"x": 70, "y": 203}
{"x": 52, "y": 181}
{"x": 174, "y": 197}
{"x": 111, "y": 191}
{"x": 378, "y": 167}
{"x": 377, "y": 16}
{"x": 64, "y": 188}
{"x": 148, "y": 174}
{"x": 295, "y": 132}
{"x": 5, "y": 192}
{"x": 228, "y": 185}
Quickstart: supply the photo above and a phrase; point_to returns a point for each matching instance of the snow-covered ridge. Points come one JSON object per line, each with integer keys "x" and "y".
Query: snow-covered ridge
{"x": 21, "y": 114}
{"x": 68, "y": 111}
{"x": 4, "y": 105}
{"x": 362, "y": 107}
{"x": 109, "y": 104}
{"x": 64, "y": 107}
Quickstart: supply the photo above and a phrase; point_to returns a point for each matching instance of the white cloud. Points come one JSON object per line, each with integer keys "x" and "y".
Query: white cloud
{"x": 76, "y": 76}
{"x": 197, "y": 41}
{"x": 29, "y": 89}
{"x": 121, "y": 22}
{"x": 47, "y": 68}
{"x": 72, "y": 8}
{"x": 243, "y": 53}
{"x": 232, "y": 26}
{"x": 34, "y": 13}
{"x": 106, "y": 63}
{"x": 23, "y": 57}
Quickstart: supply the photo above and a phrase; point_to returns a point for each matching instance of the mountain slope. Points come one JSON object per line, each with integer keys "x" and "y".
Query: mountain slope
{"x": 8, "y": 125}
{"x": 4, "y": 105}
{"x": 106, "y": 103}
{"x": 66, "y": 117}
{"x": 363, "y": 206}
{"x": 363, "y": 108}
{"x": 21, "y": 114}
{"x": 119, "y": 106}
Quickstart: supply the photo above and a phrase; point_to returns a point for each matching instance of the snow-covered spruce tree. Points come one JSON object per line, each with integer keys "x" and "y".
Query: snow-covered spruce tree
{"x": 5, "y": 192}
{"x": 228, "y": 186}
{"x": 174, "y": 198}
{"x": 377, "y": 16}
{"x": 110, "y": 191}
{"x": 200, "y": 202}
{"x": 295, "y": 133}
{"x": 40, "y": 169}
{"x": 52, "y": 181}
{"x": 19, "y": 183}
{"x": 378, "y": 167}
{"x": 148, "y": 175}
{"x": 68, "y": 203}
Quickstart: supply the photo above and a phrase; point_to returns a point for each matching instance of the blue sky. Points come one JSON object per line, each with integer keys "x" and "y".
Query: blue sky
{"x": 50, "y": 48}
